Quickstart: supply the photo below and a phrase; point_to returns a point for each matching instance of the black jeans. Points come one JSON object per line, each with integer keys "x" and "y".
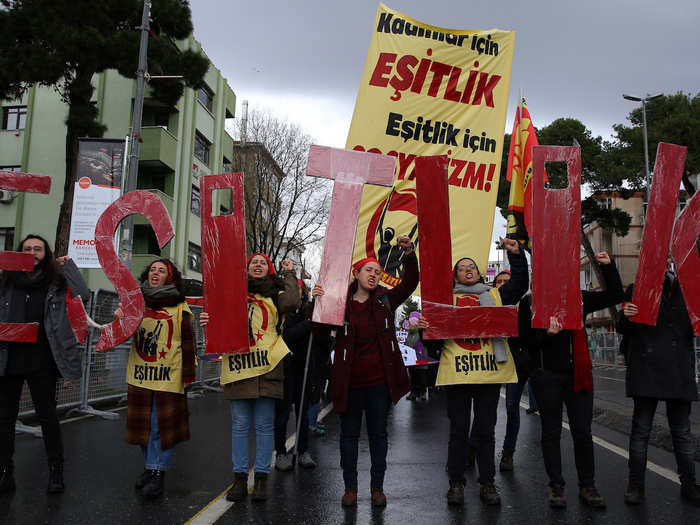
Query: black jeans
{"x": 42, "y": 386}
{"x": 374, "y": 401}
{"x": 678, "y": 414}
{"x": 554, "y": 390}
{"x": 283, "y": 407}
{"x": 459, "y": 400}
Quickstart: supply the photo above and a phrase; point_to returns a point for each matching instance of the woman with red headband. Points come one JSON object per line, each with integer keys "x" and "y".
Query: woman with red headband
{"x": 254, "y": 381}
{"x": 368, "y": 371}
{"x": 161, "y": 363}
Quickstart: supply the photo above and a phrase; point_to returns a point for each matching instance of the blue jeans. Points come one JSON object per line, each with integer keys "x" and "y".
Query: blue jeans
{"x": 313, "y": 414}
{"x": 156, "y": 458}
{"x": 678, "y": 414}
{"x": 242, "y": 413}
{"x": 514, "y": 392}
{"x": 374, "y": 402}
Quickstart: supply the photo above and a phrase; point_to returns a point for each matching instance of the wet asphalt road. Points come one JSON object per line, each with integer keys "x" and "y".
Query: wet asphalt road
{"x": 101, "y": 469}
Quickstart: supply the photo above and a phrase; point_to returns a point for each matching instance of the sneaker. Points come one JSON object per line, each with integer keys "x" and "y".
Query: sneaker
{"x": 691, "y": 493}
{"x": 318, "y": 431}
{"x": 489, "y": 494}
{"x": 260, "y": 487}
{"x": 239, "y": 489}
{"x": 591, "y": 497}
{"x": 155, "y": 485}
{"x": 378, "y": 498}
{"x": 557, "y": 496}
{"x": 634, "y": 495}
{"x": 531, "y": 411}
{"x": 283, "y": 462}
{"x": 349, "y": 498}
{"x": 142, "y": 479}
{"x": 7, "y": 479}
{"x": 55, "y": 479}
{"x": 506, "y": 464}
{"x": 455, "y": 494}
{"x": 306, "y": 461}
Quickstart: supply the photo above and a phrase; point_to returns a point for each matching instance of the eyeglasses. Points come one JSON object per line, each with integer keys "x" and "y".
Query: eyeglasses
{"x": 466, "y": 267}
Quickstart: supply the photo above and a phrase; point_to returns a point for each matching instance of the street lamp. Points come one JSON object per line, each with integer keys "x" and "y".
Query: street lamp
{"x": 644, "y": 101}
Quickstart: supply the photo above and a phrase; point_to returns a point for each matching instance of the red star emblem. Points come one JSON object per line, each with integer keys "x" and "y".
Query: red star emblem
{"x": 162, "y": 354}
{"x": 259, "y": 336}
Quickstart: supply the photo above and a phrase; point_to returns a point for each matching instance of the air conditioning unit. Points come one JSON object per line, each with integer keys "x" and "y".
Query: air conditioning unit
{"x": 6, "y": 196}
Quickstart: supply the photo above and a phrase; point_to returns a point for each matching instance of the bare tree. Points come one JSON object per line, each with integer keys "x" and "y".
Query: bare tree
{"x": 286, "y": 210}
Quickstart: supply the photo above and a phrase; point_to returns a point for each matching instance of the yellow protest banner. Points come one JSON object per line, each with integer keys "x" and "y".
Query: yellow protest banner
{"x": 267, "y": 348}
{"x": 155, "y": 359}
{"x": 431, "y": 91}
{"x": 473, "y": 361}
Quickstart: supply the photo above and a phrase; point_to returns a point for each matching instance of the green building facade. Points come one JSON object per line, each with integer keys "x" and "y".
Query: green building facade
{"x": 179, "y": 146}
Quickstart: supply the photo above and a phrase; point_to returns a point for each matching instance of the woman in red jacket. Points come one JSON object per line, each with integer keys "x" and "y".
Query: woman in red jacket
{"x": 368, "y": 370}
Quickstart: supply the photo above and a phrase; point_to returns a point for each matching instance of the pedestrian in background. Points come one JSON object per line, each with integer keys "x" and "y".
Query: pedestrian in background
{"x": 368, "y": 371}
{"x": 38, "y": 296}
{"x": 161, "y": 363}
{"x": 660, "y": 367}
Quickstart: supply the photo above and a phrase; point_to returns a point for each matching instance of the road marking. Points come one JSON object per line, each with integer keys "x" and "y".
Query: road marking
{"x": 657, "y": 469}
{"x": 219, "y": 505}
{"x": 610, "y": 378}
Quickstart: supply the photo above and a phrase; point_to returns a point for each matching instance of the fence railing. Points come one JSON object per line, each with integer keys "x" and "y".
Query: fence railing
{"x": 104, "y": 373}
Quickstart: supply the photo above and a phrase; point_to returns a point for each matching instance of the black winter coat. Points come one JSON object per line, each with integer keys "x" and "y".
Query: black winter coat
{"x": 661, "y": 359}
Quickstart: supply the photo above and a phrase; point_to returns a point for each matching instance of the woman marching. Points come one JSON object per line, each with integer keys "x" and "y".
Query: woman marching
{"x": 482, "y": 366}
{"x": 253, "y": 381}
{"x": 38, "y": 296}
{"x": 161, "y": 363}
{"x": 368, "y": 371}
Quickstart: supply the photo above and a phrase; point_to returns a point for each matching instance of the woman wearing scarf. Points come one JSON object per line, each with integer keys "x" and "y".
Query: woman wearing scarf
{"x": 562, "y": 375}
{"x": 484, "y": 364}
{"x": 39, "y": 296}
{"x": 368, "y": 371}
{"x": 161, "y": 363}
{"x": 254, "y": 381}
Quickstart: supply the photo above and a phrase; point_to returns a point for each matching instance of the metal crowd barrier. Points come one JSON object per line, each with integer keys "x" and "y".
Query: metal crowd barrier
{"x": 104, "y": 373}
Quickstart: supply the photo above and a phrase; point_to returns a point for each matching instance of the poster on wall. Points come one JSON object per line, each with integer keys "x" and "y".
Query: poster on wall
{"x": 98, "y": 184}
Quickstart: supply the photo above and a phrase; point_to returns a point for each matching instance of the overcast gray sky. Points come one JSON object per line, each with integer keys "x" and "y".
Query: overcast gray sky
{"x": 304, "y": 59}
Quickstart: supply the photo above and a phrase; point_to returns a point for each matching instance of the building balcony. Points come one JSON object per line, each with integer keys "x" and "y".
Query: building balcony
{"x": 166, "y": 199}
{"x": 159, "y": 147}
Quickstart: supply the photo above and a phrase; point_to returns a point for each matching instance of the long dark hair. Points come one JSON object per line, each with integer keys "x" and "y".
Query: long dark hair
{"x": 47, "y": 265}
{"x": 174, "y": 274}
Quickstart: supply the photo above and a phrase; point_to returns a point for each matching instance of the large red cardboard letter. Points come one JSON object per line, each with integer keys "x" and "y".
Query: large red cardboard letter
{"x": 224, "y": 273}
{"x": 668, "y": 171}
{"x": 350, "y": 170}
{"x": 686, "y": 254}
{"x": 556, "y": 241}
{"x": 448, "y": 321}
{"x": 16, "y": 261}
{"x": 150, "y": 206}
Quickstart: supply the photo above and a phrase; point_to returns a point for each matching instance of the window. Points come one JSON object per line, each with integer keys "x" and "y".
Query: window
{"x": 10, "y": 168}
{"x": 194, "y": 257}
{"x": 7, "y": 239}
{"x": 228, "y": 167}
{"x": 14, "y": 117}
{"x": 206, "y": 98}
{"x": 201, "y": 147}
{"x": 145, "y": 241}
{"x": 195, "y": 201}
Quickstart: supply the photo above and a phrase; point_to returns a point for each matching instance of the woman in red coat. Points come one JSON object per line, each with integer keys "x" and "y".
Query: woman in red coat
{"x": 368, "y": 371}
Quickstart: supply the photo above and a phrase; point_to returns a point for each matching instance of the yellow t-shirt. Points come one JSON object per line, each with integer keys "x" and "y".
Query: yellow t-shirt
{"x": 155, "y": 359}
{"x": 473, "y": 361}
{"x": 267, "y": 348}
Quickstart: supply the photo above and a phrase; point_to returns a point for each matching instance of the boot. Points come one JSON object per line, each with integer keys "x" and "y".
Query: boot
{"x": 557, "y": 496}
{"x": 489, "y": 494}
{"x": 154, "y": 486}
{"x": 349, "y": 498}
{"x": 634, "y": 494}
{"x": 142, "y": 479}
{"x": 506, "y": 464}
{"x": 260, "y": 487}
{"x": 239, "y": 489}
{"x": 306, "y": 461}
{"x": 7, "y": 478}
{"x": 378, "y": 498}
{"x": 591, "y": 497}
{"x": 691, "y": 493}
{"x": 55, "y": 479}
{"x": 455, "y": 494}
{"x": 283, "y": 462}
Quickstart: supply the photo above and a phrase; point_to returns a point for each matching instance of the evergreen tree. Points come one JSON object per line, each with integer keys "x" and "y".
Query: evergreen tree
{"x": 64, "y": 43}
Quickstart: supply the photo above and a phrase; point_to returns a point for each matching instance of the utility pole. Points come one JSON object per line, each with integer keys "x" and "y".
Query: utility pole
{"x": 133, "y": 161}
